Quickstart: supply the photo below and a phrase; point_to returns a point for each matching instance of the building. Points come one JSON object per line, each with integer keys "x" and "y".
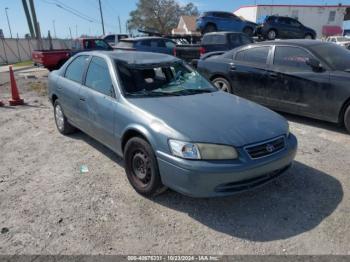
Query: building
{"x": 326, "y": 20}
{"x": 186, "y": 26}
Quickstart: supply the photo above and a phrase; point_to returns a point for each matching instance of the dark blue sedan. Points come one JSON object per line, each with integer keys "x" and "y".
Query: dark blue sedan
{"x": 172, "y": 127}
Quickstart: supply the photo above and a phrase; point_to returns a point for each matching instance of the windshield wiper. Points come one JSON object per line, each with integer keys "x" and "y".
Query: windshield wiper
{"x": 151, "y": 94}
{"x": 194, "y": 91}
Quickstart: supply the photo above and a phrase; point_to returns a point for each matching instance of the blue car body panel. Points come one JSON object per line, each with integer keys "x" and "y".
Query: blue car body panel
{"x": 216, "y": 117}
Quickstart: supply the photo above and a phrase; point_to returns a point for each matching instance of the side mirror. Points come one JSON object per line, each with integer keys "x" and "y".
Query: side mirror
{"x": 314, "y": 64}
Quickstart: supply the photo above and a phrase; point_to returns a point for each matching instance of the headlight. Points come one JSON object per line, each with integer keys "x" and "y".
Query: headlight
{"x": 202, "y": 151}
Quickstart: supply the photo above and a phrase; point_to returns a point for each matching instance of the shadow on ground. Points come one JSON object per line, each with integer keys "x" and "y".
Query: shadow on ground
{"x": 295, "y": 203}
{"x": 315, "y": 123}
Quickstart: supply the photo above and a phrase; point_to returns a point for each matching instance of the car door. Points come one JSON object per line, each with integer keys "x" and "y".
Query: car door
{"x": 248, "y": 73}
{"x": 283, "y": 27}
{"x": 293, "y": 85}
{"x": 228, "y": 22}
{"x": 295, "y": 29}
{"x": 98, "y": 96}
{"x": 69, "y": 86}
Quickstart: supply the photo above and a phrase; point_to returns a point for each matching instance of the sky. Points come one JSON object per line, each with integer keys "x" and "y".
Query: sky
{"x": 50, "y": 16}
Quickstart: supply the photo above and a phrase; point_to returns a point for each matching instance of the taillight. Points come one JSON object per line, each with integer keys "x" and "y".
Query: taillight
{"x": 201, "y": 50}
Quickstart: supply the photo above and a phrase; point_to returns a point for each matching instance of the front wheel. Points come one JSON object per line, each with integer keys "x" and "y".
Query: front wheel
{"x": 347, "y": 119}
{"x": 222, "y": 84}
{"x": 142, "y": 168}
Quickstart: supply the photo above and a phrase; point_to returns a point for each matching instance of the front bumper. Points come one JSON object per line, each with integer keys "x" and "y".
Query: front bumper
{"x": 222, "y": 178}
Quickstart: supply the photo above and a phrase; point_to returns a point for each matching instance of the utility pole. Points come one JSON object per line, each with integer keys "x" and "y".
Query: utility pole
{"x": 70, "y": 32}
{"x": 8, "y": 21}
{"x": 54, "y": 28}
{"x": 120, "y": 27}
{"x": 103, "y": 26}
{"x": 35, "y": 21}
{"x": 76, "y": 31}
{"x": 29, "y": 19}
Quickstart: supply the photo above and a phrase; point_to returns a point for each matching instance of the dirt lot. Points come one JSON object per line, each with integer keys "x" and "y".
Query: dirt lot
{"x": 48, "y": 207}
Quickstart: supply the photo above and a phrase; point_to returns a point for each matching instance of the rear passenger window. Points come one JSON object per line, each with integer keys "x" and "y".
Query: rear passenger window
{"x": 291, "y": 57}
{"x": 214, "y": 40}
{"x": 254, "y": 55}
{"x": 97, "y": 77}
{"x": 76, "y": 68}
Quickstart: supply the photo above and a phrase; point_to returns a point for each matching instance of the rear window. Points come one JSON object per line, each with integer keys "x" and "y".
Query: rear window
{"x": 254, "y": 55}
{"x": 125, "y": 44}
{"x": 214, "y": 40}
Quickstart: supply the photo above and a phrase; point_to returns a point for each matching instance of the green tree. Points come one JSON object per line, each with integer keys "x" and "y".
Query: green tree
{"x": 159, "y": 15}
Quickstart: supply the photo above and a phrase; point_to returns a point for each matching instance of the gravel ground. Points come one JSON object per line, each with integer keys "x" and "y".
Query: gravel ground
{"x": 48, "y": 207}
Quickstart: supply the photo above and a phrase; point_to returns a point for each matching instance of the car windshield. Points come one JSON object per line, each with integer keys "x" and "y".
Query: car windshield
{"x": 336, "y": 56}
{"x": 175, "y": 79}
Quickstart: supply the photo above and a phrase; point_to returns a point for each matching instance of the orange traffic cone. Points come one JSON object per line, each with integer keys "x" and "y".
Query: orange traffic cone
{"x": 16, "y": 99}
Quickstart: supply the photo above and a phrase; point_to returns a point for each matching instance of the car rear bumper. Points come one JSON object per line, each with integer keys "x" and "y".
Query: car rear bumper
{"x": 219, "y": 178}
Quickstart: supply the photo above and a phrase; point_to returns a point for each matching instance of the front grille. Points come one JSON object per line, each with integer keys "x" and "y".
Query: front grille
{"x": 266, "y": 148}
{"x": 250, "y": 183}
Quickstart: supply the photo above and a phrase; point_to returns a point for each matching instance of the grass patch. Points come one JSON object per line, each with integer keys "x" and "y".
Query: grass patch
{"x": 39, "y": 87}
{"x": 24, "y": 63}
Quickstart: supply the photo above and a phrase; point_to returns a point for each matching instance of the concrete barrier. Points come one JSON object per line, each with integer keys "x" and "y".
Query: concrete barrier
{"x": 18, "y": 50}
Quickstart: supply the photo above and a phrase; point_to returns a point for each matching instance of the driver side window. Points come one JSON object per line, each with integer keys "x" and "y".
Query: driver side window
{"x": 294, "y": 58}
{"x": 98, "y": 78}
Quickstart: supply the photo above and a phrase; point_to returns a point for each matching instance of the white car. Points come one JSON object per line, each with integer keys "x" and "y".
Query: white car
{"x": 340, "y": 40}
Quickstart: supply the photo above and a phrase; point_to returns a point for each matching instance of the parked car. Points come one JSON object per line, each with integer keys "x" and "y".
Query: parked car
{"x": 284, "y": 28}
{"x": 304, "y": 77}
{"x": 54, "y": 59}
{"x": 346, "y": 33}
{"x": 340, "y": 40}
{"x": 216, "y": 41}
{"x": 224, "y": 21}
{"x": 113, "y": 39}
{"x": 172, "y": 127}
{"x": 147, "y": 44}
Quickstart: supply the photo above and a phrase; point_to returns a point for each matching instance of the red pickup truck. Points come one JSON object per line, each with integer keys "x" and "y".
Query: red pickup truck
{"x": 54, "y": 59}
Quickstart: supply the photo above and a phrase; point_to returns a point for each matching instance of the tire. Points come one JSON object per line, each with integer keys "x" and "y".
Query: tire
{"x": 248, "y": 31}
{"x": 222, "y": 84}
{"x": 61, "y": 120}
{"x": 308, "y": 36}
{"x": 209, "y": 28}
{"x": 271, "y": 34}
{"x": 142, "y": 168}
{"x": 347, "y": 119}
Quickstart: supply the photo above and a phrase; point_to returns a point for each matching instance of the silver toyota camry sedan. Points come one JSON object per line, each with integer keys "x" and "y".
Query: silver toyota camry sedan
{"x": 173, "y": 128}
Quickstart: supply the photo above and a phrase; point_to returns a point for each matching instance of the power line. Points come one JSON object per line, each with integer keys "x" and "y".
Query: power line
{"x": 85, "y": 17}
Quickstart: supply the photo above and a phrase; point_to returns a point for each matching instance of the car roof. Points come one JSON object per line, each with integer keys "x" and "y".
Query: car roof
{"x": 223, "y": 33}
{"x": 136, "y": 57}
{"x": 296, "y": 42}
{"x": 143, "y": 38}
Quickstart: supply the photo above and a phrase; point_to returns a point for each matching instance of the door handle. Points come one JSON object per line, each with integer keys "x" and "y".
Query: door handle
{"x": 82, "y": 99}
{"x": 273, "y": 75}
{"x": 232, "y": 67}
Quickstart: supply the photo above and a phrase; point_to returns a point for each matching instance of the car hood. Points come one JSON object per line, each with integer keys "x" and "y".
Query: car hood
{"x": 216, "y": 117}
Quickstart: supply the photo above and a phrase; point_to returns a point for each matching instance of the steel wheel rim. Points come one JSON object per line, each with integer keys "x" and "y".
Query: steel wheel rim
{"x": 141, "y": 169}
{"x": 221, "y": 85}
{"x": 308, "y": 37}
{"x": 59, "y": 117}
